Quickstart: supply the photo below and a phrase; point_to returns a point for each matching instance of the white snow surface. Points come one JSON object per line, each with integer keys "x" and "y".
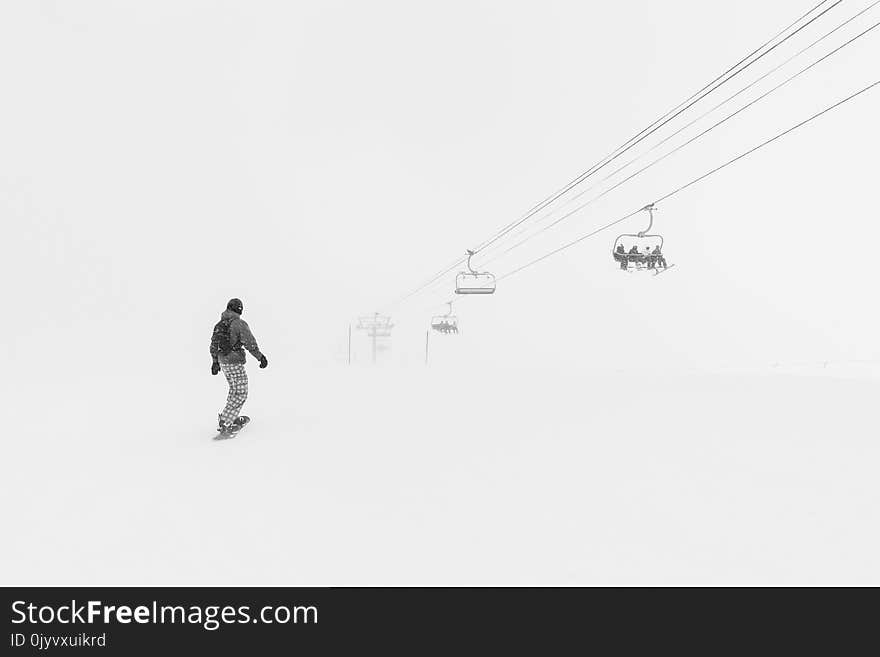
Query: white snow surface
{"x": 395, "y": 476}
{"x": 320, "y": 160}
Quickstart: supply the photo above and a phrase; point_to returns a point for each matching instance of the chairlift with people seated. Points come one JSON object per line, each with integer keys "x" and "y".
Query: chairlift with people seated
{"x": 474, "y": 282}
{"x": 446, "y": 324}
{"x": 641, "y": 251}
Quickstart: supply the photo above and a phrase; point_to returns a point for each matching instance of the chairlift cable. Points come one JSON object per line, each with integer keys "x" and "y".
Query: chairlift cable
{"x": 767, "y": 142}
{"x": 752, "y": 84}
{"x": 658, "y": 124}
{"x": 686, "y": 143}
{"x": 640, "y": 136}
{"x": 685, "y": 127}
{"x": 694, "y": 181}
{"x": 433, "y": 279}
{"x": 626, "y": 144}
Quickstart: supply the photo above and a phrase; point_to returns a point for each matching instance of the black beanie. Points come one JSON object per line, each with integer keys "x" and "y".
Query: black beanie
{"x": 235, "y": 305}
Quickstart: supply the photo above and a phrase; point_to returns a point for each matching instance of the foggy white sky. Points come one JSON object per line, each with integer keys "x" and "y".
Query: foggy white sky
{"x": 320, "y": 159}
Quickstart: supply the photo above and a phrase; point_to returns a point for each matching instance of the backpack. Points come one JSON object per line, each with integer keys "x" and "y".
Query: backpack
{"x": 221, "y": 341}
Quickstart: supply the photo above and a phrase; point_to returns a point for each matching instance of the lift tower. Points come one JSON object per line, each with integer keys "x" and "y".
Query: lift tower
{"x": 376, "y": 326}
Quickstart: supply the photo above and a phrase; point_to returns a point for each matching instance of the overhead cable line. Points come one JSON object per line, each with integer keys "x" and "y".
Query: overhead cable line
{"x": 662, "y": 121}
{"x": 640, "y": 136}
{"x": 692, "y": 182}
{"x": 627, "y": 143}
{"x": 686, "y": 143}
{"x": 682, "y": 129}
{"x": 430, "y": 282}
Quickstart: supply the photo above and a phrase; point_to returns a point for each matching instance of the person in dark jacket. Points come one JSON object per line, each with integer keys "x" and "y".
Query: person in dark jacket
{"x": 231, "y": 337}
{"x": 634, "y": 256}
{"x": 620, "y": 256}
{"x": 658, "y": 257}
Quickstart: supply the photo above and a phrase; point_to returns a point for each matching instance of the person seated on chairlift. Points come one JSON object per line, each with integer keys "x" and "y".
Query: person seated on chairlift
{"x": 649, "y": 258}
{"x": 658, "y": 256}
{"x": 633, "y": 254}
{"x": 620, "y": 255}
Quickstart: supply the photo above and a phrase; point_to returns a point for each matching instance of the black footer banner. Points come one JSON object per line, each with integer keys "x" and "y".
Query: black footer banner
{"x": 244, "y": 620}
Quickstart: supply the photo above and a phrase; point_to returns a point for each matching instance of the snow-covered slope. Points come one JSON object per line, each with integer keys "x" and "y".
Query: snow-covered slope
{"x": 393, "y": 476}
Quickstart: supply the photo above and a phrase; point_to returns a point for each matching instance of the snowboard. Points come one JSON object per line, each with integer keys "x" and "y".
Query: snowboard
{"x": 660, "y": 270}
{"x": 234, "y": 430}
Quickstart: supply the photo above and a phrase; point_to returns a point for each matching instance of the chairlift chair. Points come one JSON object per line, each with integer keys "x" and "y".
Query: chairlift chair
{"x": 474, "y": 282}
{"x": 447, "y": 323}
{"x": 645, "y": 243}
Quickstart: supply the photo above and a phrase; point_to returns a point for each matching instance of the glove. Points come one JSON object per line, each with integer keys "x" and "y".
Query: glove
{"x": 215, "y": 368}
{"x": 264, "y": 363}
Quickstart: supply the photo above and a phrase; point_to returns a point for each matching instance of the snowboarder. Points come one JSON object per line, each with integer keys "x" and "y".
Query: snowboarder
{"x": 620, "y": 255}
{"x": 231, "y": 337}
{"x": 634, "y": 256}
{"x": 658, "y": 257}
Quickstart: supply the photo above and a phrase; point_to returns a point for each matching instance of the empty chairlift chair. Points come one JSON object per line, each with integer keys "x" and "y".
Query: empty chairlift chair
{"x": 474, "y": 282}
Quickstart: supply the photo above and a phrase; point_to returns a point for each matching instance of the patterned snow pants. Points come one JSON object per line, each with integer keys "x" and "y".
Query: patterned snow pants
{"x": 236, "y": 376}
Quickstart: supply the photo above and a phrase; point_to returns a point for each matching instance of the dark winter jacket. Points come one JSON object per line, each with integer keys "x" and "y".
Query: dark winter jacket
{"x": 240, "y": 337}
